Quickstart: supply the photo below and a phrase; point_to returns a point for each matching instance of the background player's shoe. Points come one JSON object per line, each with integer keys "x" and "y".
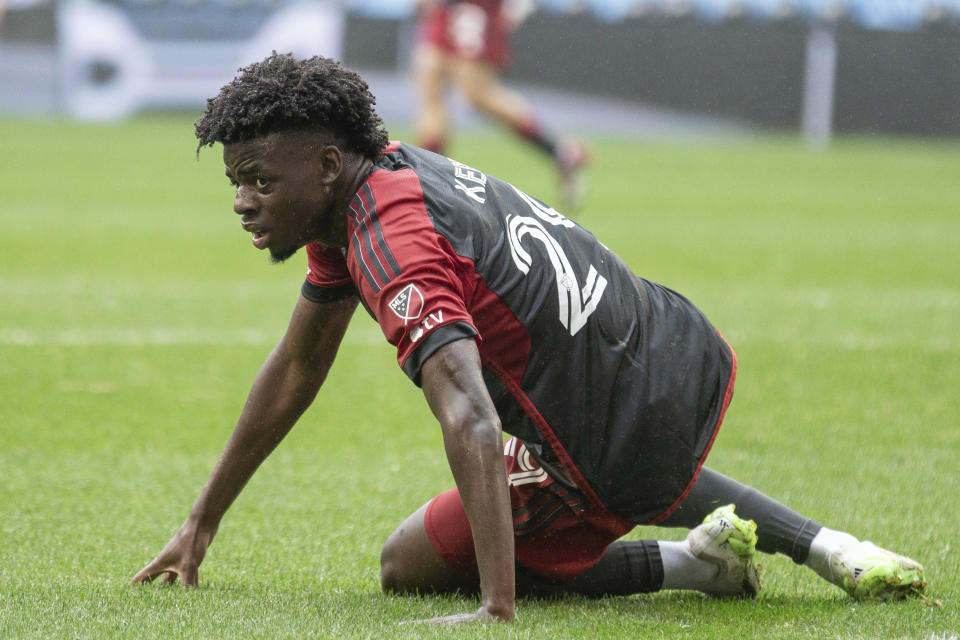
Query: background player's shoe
{"x": 868, "y": 572}
{"x": 571, "y": 161}
{"x": 729, "y": 543}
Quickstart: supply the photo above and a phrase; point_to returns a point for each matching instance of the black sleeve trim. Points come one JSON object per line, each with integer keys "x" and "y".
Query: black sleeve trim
{"x": 441, "y": 336}
{"x": 316, "y": 293}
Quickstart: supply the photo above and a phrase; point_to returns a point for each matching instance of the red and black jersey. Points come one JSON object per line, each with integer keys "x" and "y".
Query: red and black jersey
{"x": 621, "y": 381}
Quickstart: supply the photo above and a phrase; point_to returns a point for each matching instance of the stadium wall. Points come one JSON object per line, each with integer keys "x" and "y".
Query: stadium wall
{"x": 900, "y": 82}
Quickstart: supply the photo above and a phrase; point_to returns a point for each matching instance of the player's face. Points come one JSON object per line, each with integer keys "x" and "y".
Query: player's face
{"x": 284, "y": 192}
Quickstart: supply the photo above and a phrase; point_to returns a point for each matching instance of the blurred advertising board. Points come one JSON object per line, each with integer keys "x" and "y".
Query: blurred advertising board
{"x": 109, "y": 59}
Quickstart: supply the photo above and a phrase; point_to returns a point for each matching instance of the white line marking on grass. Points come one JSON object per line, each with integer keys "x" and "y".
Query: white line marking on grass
{"x": 846, "y": 340}
{"x": 863, "y": 296}
{"x": 369, "y": 334}
{"x": 132, "y": 337}
{"x": 869, "y": 298}
{"x": 154, "y": 288}
{"x": 162, "y": 336}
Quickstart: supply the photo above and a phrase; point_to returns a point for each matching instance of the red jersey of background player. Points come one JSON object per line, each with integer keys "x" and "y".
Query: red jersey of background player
{"x": 474, "y": 30}
{"x": 617, "y": 383}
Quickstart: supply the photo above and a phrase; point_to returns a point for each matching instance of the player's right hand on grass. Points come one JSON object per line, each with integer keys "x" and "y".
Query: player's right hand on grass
{"x": 483, "y": 615}
{"x": 181, "y": 557}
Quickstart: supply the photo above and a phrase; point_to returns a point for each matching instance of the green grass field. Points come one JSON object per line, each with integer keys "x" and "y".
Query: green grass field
{"x": 134, "y": 314}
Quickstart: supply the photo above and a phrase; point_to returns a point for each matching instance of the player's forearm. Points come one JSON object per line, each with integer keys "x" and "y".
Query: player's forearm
{"x": 454, "y": 388}
{"x": 281, "y": 392}
{"x": 476, "y": 459}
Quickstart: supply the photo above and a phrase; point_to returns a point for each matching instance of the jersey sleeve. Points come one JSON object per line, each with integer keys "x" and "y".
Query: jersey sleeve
{"x": 328, "y": 278}
{"x": 409, "y": 276}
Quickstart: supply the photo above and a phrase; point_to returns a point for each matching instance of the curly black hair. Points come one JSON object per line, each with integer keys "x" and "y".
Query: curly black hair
{"x": 282, "y": 93}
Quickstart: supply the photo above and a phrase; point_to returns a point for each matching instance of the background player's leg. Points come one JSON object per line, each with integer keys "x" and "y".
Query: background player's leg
{"x": 430, "y": 67}
{"x": 480, "y": 83}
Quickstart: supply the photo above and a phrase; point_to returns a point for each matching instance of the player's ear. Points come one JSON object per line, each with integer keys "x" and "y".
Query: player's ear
{"x": 330, "y": 164}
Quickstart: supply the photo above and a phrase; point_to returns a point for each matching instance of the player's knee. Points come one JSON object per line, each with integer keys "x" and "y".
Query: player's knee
{"x": 388, "y": 569}
{"x": 393, "y": 573}
{"x": 479, "y": 102}
{"x": 409, "y": 563}
{"x": 477, "y": 95}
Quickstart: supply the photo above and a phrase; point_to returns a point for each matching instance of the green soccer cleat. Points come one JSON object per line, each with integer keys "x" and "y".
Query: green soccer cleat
{"x": 729, "y": 543}
{"x": 868, "y": 572}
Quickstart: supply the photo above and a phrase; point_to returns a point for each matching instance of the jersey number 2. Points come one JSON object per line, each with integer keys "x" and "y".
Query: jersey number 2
{"x": 576, "y": 302}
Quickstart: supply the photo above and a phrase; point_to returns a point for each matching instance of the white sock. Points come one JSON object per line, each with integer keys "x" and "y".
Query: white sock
{"x": 824, "y": 544}
{"x": 682, "y": 569}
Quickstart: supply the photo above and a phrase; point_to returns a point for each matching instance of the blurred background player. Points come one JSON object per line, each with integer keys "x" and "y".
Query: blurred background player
{"x": 467, "y": 42}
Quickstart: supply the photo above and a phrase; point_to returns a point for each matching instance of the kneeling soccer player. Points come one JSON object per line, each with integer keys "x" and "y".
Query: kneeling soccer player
{"x": 508, "y": 315}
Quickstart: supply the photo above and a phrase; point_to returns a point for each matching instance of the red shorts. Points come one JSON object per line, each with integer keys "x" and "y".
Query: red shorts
{"x": 558, "y": 533}
{"x": 469, "y": 30}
